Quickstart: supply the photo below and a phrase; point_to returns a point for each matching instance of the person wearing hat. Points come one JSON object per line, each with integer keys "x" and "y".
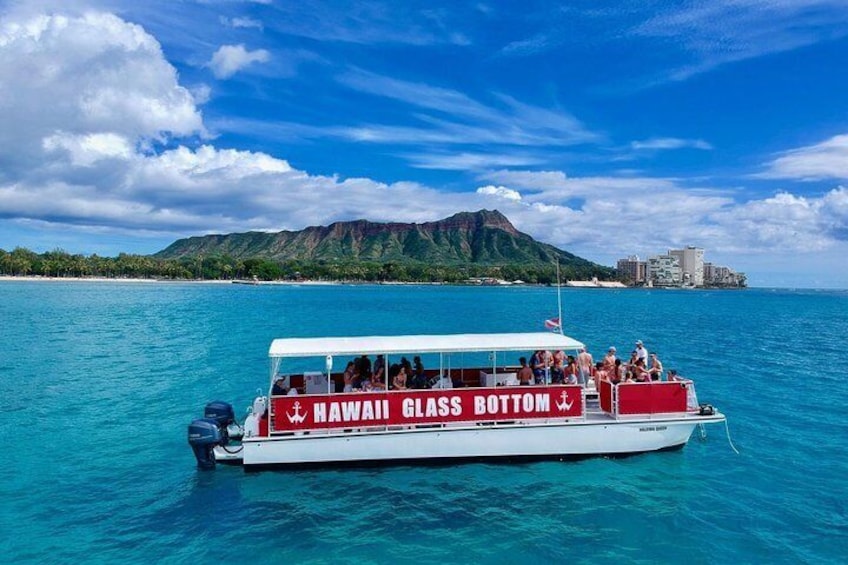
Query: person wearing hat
{"x": 609, "y": 361}
{"x": 641, "y": 352}
{"x": 279, "y": 388}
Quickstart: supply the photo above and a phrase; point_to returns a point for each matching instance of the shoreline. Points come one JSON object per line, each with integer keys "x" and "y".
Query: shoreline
{"x": 605, "y": 285}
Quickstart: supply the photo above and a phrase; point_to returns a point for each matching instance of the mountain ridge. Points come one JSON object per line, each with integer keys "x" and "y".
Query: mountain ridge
{"x": 485, "y": 238}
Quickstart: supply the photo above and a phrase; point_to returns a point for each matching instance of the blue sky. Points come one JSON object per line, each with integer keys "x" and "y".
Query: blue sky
{"x": 605, "y": 129}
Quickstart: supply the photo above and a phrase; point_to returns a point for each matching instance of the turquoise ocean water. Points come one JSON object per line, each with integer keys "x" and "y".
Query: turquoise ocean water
{"x": 98, "y": 382}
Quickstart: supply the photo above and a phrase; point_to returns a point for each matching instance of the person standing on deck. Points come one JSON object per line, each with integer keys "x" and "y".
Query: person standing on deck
{"x": 558, "y": 366}
{"x": 641, "y": 352}
{"x": 525, "y": 373}
{"x": 537, "y": 364}
{"x": 609, "y": 361}
{"x": 584, "y": 366}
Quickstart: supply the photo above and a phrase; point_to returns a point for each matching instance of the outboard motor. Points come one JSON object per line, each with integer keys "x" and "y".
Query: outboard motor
{"x": 203, "y": 435}
{"x": 222, "y": 414}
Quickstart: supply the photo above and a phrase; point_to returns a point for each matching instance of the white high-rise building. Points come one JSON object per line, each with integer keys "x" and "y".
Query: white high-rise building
{"x": 664, "y": 270}
{"x": 691, "y": 261}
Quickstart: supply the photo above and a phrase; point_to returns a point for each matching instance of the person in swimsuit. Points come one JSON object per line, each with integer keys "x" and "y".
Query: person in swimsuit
{"x": 558, "y": 366}
{"x": 571, "y": 371}
{"x": 525, "y": 373}
{"x": 656, "y": 368}
{"x": 347, "y": 377}
{"x": 399, "y": 382}
{"x": 584, "y": 366}
{"x": 609, "y": 361}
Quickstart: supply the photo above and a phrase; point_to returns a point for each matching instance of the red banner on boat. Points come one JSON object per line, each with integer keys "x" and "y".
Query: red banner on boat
{"x": 356, "y": 410}
{"x": 651, "y": 398}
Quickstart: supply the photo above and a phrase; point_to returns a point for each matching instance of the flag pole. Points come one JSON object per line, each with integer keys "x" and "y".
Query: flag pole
{"x": 559, "y": 298}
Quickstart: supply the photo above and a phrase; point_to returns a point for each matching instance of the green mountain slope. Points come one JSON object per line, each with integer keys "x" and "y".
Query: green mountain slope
{"x": 485, "y": 238}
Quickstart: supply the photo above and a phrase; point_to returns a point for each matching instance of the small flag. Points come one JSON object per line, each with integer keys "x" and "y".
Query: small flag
{"x": 552, "y": 324}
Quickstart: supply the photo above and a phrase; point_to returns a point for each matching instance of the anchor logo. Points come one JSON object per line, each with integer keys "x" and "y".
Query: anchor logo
{"x": 297, "y": 418}
{"x": 565, "y": 405}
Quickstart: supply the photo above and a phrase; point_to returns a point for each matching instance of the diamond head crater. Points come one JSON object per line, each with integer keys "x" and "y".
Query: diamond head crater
{"x": 468, "y": 246}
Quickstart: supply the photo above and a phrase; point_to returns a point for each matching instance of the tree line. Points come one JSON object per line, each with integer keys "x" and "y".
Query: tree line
{"x": 58, "y": 263}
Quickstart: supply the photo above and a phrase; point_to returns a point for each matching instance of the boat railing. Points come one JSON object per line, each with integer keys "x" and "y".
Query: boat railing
{"x": 648, "y": 399}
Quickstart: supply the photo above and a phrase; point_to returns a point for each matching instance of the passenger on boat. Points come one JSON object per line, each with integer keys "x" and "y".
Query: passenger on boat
{"x": 584, "y": 366}
{"x": 656, "y": 368}
{"x": 365, "y": 367}
{"x": 571, "y": 371}
{"x": 634, "y": 356}
{"x": 600, "y": 374}
{"x": 347, "y": 377}
{"x": 357, "y": 382}
{"x": 399, "y": 380}
{"x": 619, "y": 372}
{"x": 541, "y": 364}
{"x": 379, "y": 363}
{"x": 557, "y": 373}
{"x": 609, "y": 361}
{"x": 418, "y": 379}
{"x": 379, "y": 374}
{"x": 525, "y": 373}
{"x": 639, "y": 372}
{"x": 641, "y": 352}
{"x": 377, "y": 382}
{"x": 404, "y": 362}
{"x": 279, "y": 388}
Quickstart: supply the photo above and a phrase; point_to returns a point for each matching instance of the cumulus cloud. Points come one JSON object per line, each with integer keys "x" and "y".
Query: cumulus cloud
{"x": 94, "y": 77}
{"x": 825, "y": 160}
{"x": 229, "y": 59}
{"x": 87, "y": 149}
{"x": 75, "y": 150}
{"x": 500, "y": 192}
{"x": 621, "y": 215}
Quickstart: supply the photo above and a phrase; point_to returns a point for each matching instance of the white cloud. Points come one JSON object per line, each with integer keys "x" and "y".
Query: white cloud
{"x": 229, "y": 59}
{"x": 466, "y": 161}
{"x": 85, "y": 150}
{"x": 75, "y": 151}
{"x": 242, "y": 22}
{"x": 725, "y": 31}
{"x": 828, "y": 159}
{"x": 618, "y": 216}
{"x": 93, "y": 75}
{"x": 500, "y": 192}
{"x": 659, "y": 143}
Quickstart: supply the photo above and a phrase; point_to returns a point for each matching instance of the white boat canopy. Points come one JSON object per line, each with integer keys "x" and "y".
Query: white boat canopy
{"x": 390, "y": 345}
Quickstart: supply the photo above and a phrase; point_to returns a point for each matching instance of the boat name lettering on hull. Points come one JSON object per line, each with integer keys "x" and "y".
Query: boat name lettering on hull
{"x": 432, "y": 407}
{"x": 511, "y": 403}
{"x": 307, "y": 412}
{"x": 351, "y": 411}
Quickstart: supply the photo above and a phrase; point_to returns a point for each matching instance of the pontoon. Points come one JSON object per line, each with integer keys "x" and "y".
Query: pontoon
{"x": 475, "y": 409}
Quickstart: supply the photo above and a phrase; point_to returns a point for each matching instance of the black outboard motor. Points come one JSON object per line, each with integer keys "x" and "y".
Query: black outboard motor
{"x": 222, "y": 414}
{"x": 203, "y": 435}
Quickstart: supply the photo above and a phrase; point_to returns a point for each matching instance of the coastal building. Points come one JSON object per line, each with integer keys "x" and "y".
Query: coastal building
{"x": 664, "y": 270}
{"x": 691, "y": 261}
{"x": 679, "y": 267}
{"x": 634, "y": 270}
{"x": 716, "y": 275}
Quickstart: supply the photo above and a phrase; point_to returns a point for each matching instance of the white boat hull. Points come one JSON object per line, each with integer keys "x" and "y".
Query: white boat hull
{"x": 530, "y": 441}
